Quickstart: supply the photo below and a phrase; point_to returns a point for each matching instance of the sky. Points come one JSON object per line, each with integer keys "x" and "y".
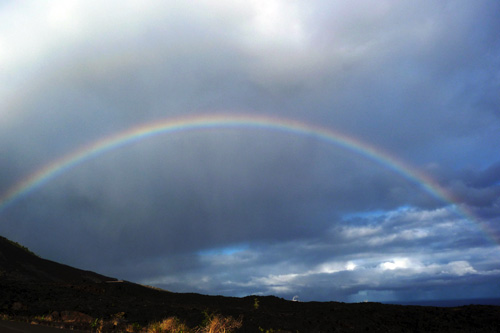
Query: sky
{"x": 317, "y": 150}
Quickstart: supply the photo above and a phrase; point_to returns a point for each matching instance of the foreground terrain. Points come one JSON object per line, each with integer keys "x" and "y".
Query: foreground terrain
{"x": 43, "y": 292}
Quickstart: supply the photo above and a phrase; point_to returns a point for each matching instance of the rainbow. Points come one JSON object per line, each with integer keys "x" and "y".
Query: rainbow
{"x": 219, "y": 121}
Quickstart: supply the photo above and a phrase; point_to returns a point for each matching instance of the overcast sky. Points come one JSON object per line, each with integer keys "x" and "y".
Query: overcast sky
{"x": 240, "y": 211}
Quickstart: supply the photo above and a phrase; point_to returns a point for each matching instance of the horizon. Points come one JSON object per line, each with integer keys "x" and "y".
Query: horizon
{"x": 452, "y": 302}
{"x": 324, "y": 151}
{"x": 422, "y": 302}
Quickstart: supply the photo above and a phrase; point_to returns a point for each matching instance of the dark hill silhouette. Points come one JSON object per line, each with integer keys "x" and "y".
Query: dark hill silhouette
{"x": 37, "y": 290}
{"x": 20, "y": 264}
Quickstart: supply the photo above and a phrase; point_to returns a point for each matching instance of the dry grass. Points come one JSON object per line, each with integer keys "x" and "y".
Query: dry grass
{"x": 171, "y": 324}
{"x": 220, "y": 324}
{"x": 4, "y": 316}
{"x": 213, "y": 324}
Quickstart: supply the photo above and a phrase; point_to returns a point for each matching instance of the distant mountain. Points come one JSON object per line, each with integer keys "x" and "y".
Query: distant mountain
{"x": 17, "y": 263}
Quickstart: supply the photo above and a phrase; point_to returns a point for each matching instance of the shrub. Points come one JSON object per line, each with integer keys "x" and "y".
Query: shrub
{"x": 255, "y": 303}
{"x": 154, "y": 328}
{"x": 220, "y": 324}
{"x": 133, "y": 328}
{"x": 171, "y": 324}
{"x": 213, "y": 323}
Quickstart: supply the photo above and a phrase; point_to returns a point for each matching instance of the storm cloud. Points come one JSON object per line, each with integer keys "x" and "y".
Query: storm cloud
{"x": 240, "y": 211}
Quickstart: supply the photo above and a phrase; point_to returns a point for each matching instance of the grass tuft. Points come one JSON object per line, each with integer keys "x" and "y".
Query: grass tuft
{"x": 214, "y": 324}
{"x": 171, "y": 324}
{"x": 220, "y": 324}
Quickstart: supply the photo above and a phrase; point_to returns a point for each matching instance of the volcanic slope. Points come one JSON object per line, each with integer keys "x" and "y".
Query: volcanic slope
{"x": 17, "y": 263}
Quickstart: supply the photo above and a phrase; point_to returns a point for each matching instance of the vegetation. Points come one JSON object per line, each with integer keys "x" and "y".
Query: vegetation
{"x": 255, "y": 303}
{"x": 24, "y": 248}
{"x": 219, "y": 324}
{"x": 213, "y": 323}
{"x": 171, "y": 324}
{"x": 4, "y": 316}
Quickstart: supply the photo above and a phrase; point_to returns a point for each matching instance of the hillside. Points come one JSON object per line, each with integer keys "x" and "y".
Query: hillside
{"x": 17, "y": 263}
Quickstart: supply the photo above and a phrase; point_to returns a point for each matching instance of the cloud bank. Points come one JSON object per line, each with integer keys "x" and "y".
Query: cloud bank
{"x": 239, "y": 212}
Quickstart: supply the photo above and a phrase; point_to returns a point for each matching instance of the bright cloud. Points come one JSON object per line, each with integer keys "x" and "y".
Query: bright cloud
{"x": 399, "y": 263}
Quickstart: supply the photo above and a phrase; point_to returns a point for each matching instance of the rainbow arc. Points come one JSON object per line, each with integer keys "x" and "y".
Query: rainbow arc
{"x": 219, "y": 121}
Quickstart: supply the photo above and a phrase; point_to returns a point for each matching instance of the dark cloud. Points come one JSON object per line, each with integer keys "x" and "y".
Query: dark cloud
{"x": 242, "y": 211}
